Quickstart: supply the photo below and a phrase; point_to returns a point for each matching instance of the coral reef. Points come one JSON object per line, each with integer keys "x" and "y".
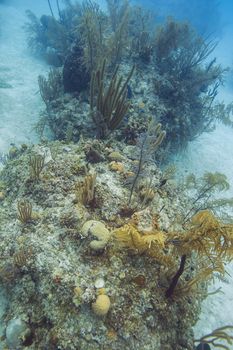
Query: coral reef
{"x": 173, "y": 81}
{"x": 73, "y": 296}
{"x": 99, "y": 247}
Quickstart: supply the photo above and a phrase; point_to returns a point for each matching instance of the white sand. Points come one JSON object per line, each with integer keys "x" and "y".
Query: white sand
{"x": 214, "y": 152}
{"x": 21, "y": 104}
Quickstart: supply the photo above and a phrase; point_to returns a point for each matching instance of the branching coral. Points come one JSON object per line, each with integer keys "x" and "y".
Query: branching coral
{"x": 48, "y": 37}
{"x": 91, "y": 34}
{"x": 119, "y": 12}
{"x": 178, "y": 44}
{"x": 204, "y": 187}
{"x": 217, "y": 337}
{"x": 24, "y": 211}
{"x": 208, "y": 238}
{"x": 37, "y": 163}
{"x": 211, "y": 240}
{"x": 148, "y": 144}
{"x": 185, "y": 84}
{"x": 108, "y": 106}
{"x": 85, "y": 190}
{"x": 51, "y": 88}
{"x": 151, "y": 245}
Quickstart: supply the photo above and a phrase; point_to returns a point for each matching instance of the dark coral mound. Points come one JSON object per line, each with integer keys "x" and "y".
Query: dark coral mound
{"x": 75, "y": 76}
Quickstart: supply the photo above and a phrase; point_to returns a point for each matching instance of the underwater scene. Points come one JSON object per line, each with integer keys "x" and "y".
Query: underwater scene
{"x": 116, "y": 175}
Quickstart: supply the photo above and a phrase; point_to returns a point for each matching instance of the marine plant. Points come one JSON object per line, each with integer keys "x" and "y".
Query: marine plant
{"x": 24, "y": 211}
{"x": 91, "y": 34}
{"x": 152, "y": 245}
{"x": 206, "y": 239}
{"x": 48, "y": 37}
{"x": 185, "y": 83}
{"x": 40, "y": 126}
{"x": 37, "y": 163}
{"x": 85, "y": 25}
{"x": 119, "y": 14}
{"x": 203, "y": 190}
{"x": 108, "y": 105}
{"x": 146, "y": 192}
{"x": 148, "y": 143}
{"x": 85, "y": 190}
{"x": 211, "y": 241}
{"x": 144, "y": 47}
{"x": 225, "y": 113}
{"x": 35, "y": 33}
{"x": 50, "y": 7}
{"x": 50, "y": 88}
{"x": 141, "y": 34}
{"x": 117, "y": 10}
{"x": 217, "y": 337}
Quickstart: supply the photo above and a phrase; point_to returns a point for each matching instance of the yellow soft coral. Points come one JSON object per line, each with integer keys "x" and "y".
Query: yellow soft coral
{"x": 151, "y": 245}
{"x": 131, "y": 238}
{"x": 207, "y": 236}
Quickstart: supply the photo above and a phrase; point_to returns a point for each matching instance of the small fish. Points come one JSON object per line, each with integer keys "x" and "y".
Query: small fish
{"x": 129, "y": 92}
{"x": 203, "y": 346}
{"x": 176, "y": 242}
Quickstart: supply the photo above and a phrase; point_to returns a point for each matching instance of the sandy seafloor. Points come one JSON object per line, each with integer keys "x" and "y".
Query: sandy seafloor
{"x": 214, "y": 152}
{"x": 20, "y": 106}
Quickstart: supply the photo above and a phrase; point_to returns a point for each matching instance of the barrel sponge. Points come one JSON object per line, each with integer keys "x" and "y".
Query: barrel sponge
{"x": 102, "y": 305}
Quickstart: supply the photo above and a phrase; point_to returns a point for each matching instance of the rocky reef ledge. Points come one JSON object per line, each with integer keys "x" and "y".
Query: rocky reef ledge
{"x": 72, "y": 281}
